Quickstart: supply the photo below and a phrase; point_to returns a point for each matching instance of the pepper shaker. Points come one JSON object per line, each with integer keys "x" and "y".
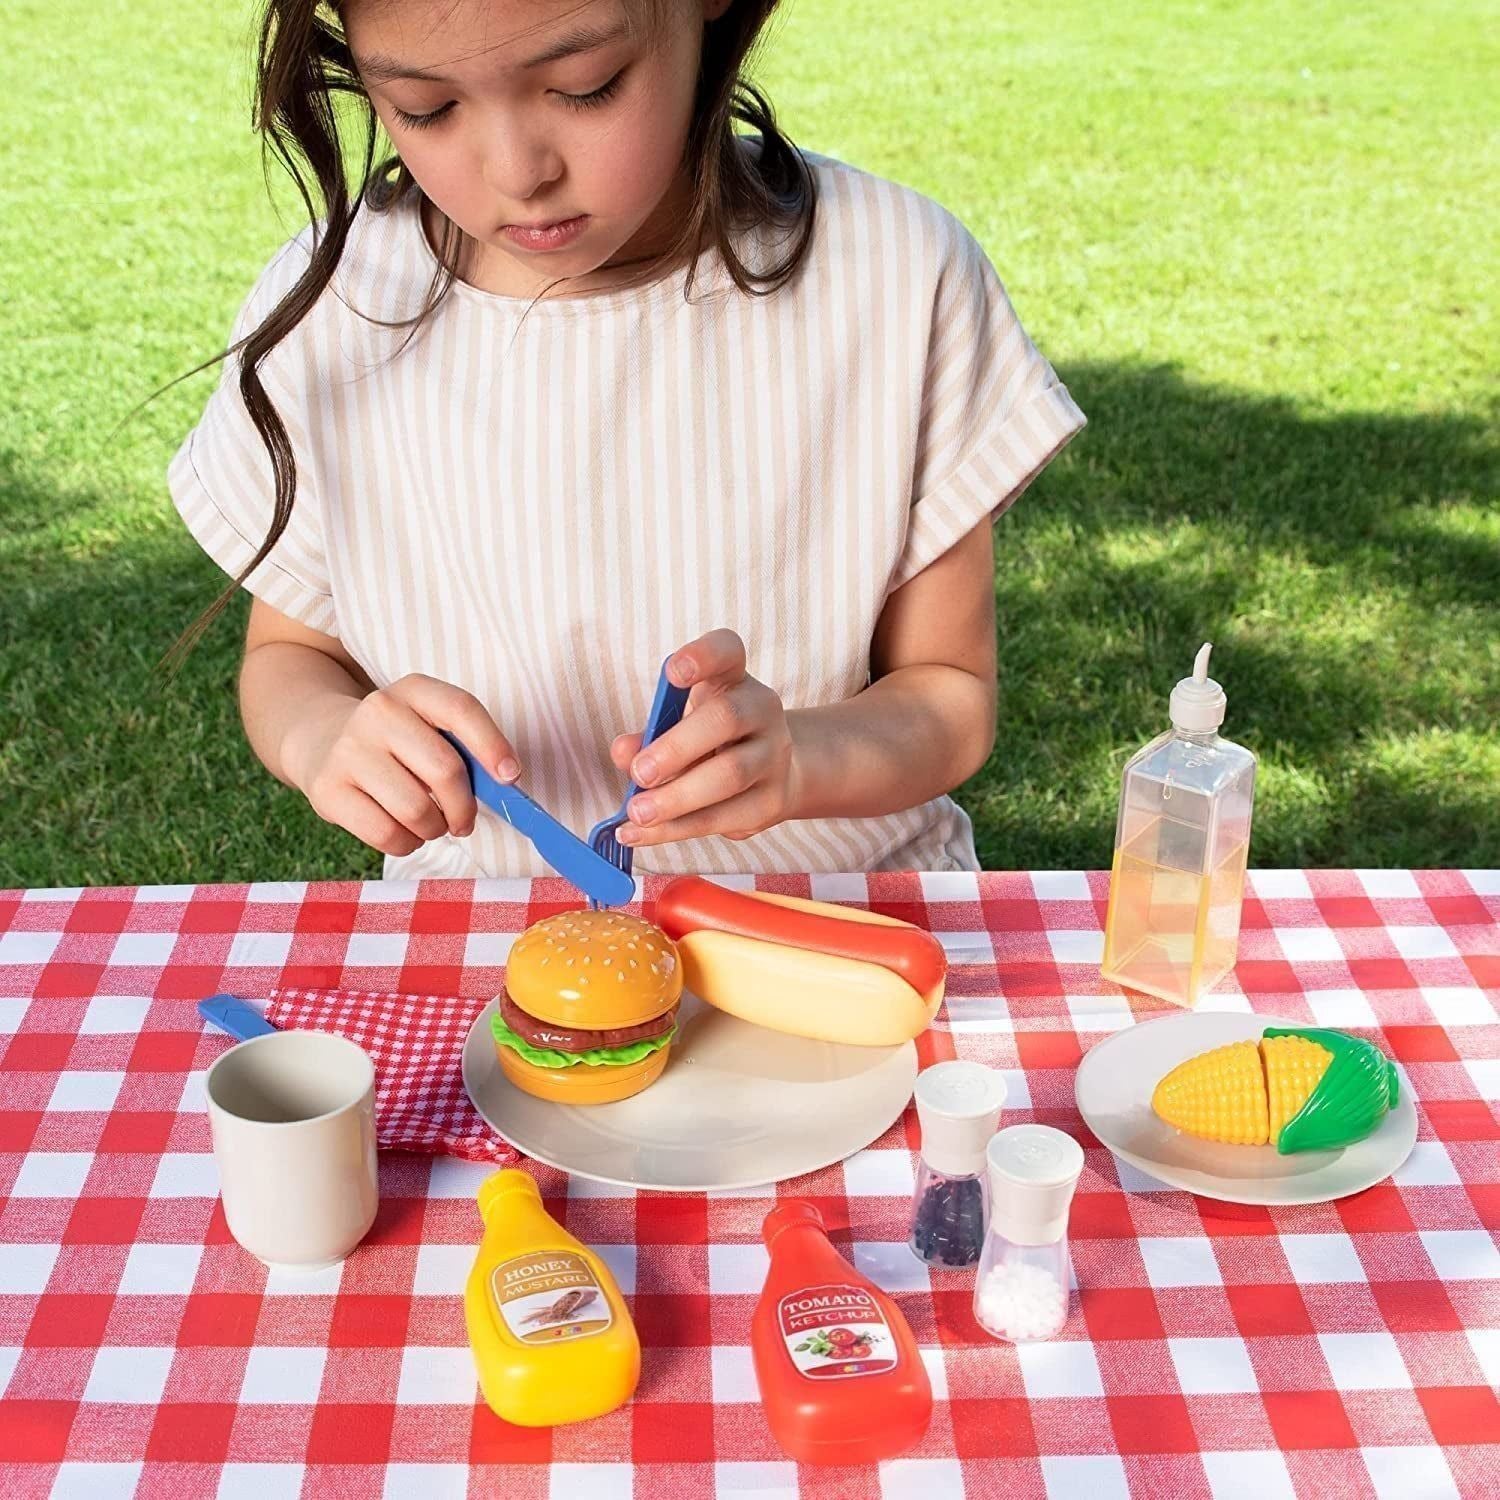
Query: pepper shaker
{"x": 958, "y": 1107}
{"x": 1021, "y": 1291}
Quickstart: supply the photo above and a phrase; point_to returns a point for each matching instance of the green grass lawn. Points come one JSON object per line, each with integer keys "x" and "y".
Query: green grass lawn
{"x": 1257, "y": 239}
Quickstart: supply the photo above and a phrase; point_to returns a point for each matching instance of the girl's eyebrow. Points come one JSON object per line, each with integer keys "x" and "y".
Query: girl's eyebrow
{"x": 378, "y": 68}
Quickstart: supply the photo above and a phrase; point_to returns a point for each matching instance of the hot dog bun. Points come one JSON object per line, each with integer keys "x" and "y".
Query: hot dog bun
{"x": 809, "y": 968}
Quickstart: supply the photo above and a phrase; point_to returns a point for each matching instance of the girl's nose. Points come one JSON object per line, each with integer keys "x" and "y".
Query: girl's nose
{"x": 517, "y": 167}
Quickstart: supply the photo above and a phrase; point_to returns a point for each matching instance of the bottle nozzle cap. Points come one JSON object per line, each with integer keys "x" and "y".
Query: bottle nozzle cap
{"x": 498, "y": 1184}
{"x": 789, "y": 1215}
{"x": 1198, "y": 702}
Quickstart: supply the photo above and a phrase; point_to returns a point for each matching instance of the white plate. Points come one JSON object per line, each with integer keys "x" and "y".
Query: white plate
{"x": 738, "y": 1106}
{"x": 1114, "y": 1087}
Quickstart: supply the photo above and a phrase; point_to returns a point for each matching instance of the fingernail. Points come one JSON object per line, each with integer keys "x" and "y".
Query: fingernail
{"x": 645, "y": 770}
{"x": 685, "y": 669}
{"x": 642, "y": 809}
{"x": 509, "y": 769}
{"x": 626, "y": 835}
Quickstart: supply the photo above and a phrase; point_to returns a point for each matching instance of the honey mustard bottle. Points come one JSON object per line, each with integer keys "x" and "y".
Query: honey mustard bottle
{"x": 551, "y": 1335}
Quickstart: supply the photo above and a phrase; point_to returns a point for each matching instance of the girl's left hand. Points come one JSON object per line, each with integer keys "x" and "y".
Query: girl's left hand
{"x": 728, "y": 768}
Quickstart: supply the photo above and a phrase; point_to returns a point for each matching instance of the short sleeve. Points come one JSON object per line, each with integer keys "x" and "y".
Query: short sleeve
{"x": 221, "y": 480}
{"x": 994, "y": 413}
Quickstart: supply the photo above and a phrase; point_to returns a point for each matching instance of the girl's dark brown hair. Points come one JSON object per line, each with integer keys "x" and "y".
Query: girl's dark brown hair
{"x": 303, "y": 63}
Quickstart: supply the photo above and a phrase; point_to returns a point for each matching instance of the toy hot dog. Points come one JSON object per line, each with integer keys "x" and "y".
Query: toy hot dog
{"x": 805, "y": 967}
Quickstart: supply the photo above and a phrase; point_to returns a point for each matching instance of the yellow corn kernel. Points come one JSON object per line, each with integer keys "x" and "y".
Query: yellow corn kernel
{"x": 1294, "y": 1068}
{"x": 1218, "y": 1096}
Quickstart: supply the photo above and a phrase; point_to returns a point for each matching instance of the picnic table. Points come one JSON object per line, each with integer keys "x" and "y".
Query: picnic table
{"x": 1345, "y": 1349}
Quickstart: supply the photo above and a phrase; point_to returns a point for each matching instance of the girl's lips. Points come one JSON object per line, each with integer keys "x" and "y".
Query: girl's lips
{"x": 549, "y": 237}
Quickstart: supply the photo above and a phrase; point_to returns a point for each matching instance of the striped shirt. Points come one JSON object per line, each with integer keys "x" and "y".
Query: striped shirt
{"x": 541, "y": 508}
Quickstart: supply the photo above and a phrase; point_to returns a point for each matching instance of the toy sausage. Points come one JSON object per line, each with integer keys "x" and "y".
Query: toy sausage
{"x": 805, "y": 967}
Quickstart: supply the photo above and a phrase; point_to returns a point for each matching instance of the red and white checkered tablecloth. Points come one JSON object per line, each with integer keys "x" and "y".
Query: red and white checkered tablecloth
{"x": 1347, "y": 1349}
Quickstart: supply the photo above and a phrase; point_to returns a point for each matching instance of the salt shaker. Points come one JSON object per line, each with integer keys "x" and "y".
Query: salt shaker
{"x": 1021, "y": 1291}
{"x": 958, "y": 1107}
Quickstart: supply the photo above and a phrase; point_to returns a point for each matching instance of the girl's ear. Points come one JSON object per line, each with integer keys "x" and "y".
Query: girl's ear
{"x": 713, "y": 9}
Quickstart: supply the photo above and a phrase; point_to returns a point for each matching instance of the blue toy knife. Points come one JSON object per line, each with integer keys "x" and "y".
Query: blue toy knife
{"x": 561, "y": 848}
{"x": 230, "y": 1013}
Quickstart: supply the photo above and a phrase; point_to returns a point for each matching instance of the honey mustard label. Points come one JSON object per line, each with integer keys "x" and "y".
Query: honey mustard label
{"x": 550, "y": 1297}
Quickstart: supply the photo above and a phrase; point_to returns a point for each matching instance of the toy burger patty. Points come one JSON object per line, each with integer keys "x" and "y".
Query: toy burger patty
{"x": 550, "y": 1037}
{"x": 589, "y": 1008}
{"x": 1301, "y": 1089}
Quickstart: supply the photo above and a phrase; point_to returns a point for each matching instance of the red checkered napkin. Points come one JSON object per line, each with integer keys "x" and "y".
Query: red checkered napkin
{"x": 416, "y": 1043}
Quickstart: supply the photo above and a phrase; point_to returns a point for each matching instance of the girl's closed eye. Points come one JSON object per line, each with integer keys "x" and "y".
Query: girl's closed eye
{"x": 600, "y": 95}
{"x": 421, "y": 122}
{"x": 590, "y": 100}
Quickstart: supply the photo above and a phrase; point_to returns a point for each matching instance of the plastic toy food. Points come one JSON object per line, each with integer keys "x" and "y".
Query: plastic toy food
{"x": 551, "y": 1335}
{"x": 805, "y": 967}
{"x": 1299, "y": 1089}
{"x": 589, "y": 1007}
{"x": 840, "y": 1375}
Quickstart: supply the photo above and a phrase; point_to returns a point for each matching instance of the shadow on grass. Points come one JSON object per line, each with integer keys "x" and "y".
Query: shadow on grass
{"x": 110, "y": 774}
{"x": 1347, "y": 568}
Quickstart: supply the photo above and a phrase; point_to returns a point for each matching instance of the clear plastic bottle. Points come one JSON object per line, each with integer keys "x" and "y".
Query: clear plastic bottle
{"x": 1021, "y": 1290}
{"x": 1181, "y": 845}
{"x": 958, "y": 1107}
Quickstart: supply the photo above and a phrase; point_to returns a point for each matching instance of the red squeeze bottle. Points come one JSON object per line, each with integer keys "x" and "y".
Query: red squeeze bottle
{"x": 840, "y": 1376}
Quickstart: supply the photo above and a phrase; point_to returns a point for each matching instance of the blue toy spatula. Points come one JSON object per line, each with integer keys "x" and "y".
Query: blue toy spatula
{"x": 594, "y": 875}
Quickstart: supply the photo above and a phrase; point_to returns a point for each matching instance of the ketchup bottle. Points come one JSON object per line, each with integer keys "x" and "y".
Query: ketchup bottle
{"x": 840, "y": 1376}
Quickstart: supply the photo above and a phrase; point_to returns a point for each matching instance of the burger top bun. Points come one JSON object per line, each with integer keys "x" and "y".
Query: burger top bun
{"x": 594, "y": 969}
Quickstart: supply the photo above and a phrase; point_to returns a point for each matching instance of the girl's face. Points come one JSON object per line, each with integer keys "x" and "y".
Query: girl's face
{"x": 551, "y": 132}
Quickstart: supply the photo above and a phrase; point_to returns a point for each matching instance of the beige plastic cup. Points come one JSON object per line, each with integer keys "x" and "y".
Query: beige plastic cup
{"x": 293, "y": 1122}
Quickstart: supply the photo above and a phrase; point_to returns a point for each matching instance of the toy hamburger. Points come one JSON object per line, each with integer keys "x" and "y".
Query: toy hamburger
{"x": 589, "y": 1007}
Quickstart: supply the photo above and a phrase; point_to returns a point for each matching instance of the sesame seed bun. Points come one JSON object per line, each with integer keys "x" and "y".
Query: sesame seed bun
{"x": 594, "y": 969}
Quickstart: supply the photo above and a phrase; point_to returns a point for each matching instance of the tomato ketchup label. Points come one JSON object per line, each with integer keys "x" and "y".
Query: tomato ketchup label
{"x": 835, "y": 1331}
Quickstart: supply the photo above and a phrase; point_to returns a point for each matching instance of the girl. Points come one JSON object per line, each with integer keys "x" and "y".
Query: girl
{"x": 584, "y": 376}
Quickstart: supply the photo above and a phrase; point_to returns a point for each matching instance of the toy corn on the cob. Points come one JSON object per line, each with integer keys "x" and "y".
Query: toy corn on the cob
{"x": 1300, "y": 1089}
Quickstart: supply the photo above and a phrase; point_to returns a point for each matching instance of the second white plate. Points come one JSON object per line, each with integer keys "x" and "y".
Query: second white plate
{"x": 738, "y": 1106}
{"x": 1118, "y": 1076}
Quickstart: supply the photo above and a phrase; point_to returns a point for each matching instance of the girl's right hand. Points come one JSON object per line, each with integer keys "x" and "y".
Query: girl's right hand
{"x": 378, "y": 767}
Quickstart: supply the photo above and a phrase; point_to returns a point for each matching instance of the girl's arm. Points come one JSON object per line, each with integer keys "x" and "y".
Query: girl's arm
{"x": 739, "y": 762}
{"x": 368, "y": 759}
{"x": 926, "y": 723}
{"x": 289, "y": 672}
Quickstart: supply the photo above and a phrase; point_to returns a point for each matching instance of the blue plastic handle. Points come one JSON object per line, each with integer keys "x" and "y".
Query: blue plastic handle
{"x": 667, "y": 709}
{"x": 561, "y": 848}
{"x": 230, "y": 1013}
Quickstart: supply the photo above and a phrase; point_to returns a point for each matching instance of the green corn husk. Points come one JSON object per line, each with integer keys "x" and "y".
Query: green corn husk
{"x": 1352, "y": 1098}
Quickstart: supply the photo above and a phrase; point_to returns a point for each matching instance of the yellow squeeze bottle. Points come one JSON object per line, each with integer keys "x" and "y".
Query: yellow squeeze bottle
{"x": 552, "y": 1338}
